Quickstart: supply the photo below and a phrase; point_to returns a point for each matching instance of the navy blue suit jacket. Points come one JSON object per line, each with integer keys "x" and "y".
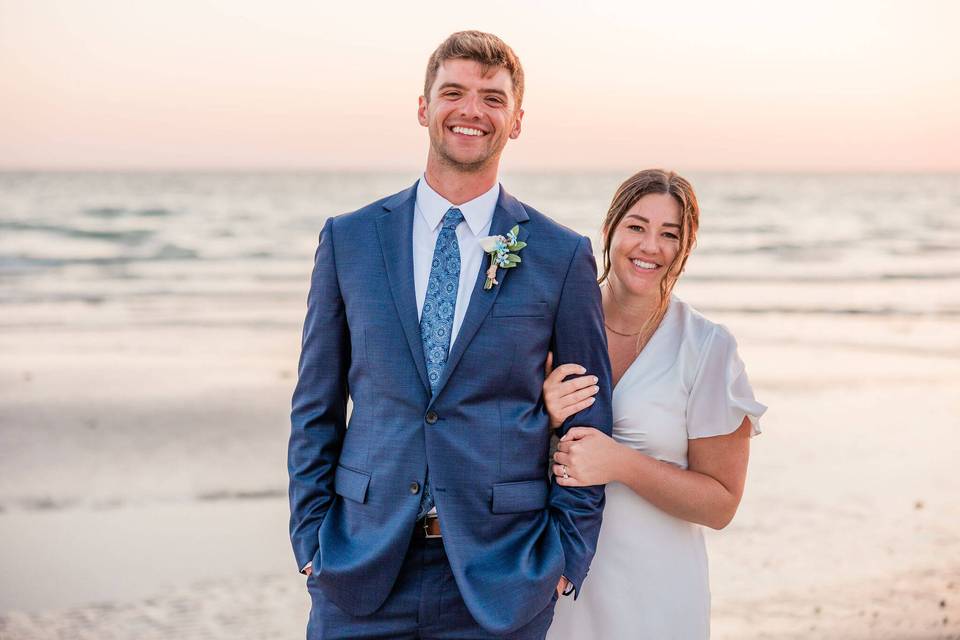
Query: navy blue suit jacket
{"x": 508, "y": 531}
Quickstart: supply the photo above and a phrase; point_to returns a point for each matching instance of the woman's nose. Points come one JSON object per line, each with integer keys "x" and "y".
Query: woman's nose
{"x": 648, "y": 243}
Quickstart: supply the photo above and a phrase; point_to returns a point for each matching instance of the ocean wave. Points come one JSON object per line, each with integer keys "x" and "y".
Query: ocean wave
{"x": 125, "y": 236}
{"x": 878, "y": 311}
{"x": 25, "y": 264}
{"x": 822, "y": 279}
{"x": 108, "y": 503}
{"x": 120, "y": 212}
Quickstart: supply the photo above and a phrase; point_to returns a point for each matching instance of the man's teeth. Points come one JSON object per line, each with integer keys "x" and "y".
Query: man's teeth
{"x": 644, "y": 265}
{"x": 467, "y": 131}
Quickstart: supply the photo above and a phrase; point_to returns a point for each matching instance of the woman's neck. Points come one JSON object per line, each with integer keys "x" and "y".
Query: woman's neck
{"x": 625, "y": 313}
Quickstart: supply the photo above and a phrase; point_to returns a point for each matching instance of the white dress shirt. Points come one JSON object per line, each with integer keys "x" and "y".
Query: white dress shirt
{"x": 427, "y": 218}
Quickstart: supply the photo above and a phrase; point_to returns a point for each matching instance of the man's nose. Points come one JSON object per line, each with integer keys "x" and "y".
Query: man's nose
{"x": 470, "y": 106}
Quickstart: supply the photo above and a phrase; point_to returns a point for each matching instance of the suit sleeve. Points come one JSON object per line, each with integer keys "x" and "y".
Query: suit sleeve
{"x": 579, "y": 337}
{"x": 318, "y": 416}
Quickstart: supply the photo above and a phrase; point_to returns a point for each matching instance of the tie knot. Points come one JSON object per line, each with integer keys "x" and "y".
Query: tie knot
{"x": 452, "y": 218}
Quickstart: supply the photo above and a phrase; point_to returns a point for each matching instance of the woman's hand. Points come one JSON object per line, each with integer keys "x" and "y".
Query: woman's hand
{"x": 586, "y": 457}
{"x": 563, "y": 399}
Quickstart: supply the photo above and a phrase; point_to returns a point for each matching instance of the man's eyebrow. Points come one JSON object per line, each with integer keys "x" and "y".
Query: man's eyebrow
{"x": 454, "y": 85}
{"x": 665, "y": 224}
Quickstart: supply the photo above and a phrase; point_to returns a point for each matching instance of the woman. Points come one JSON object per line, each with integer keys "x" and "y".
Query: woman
{"x": 683, "y": 414}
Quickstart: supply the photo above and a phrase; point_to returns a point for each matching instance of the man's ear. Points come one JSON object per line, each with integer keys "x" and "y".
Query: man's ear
{"x": 515, "y": 132}
{"x": 422, "y": 110}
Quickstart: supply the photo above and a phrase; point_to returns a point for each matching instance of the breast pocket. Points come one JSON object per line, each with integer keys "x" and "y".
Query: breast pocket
{"x": 519, "y": 310}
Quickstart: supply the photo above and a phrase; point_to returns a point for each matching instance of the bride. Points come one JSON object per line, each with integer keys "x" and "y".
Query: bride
{"x": 683, "y": 413}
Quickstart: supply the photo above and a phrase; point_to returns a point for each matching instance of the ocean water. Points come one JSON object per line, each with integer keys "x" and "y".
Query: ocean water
{"x": 209, "y": 247}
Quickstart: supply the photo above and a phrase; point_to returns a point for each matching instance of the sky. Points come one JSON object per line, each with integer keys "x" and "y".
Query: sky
{"x": 310, "y": 84}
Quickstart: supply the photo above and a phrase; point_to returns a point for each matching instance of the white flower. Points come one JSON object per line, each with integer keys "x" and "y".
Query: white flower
{"x": 489, "y": 243}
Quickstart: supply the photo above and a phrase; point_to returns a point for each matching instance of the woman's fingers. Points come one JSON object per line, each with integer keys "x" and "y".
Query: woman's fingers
{"x": 570, "y": 391}
{"x": 561, "y": 458}
{"x": 563, "y": 413}
{"x": 569, "y": 481}
{"x": 548, "y": 365}
{"x": 564, "y": 370}
{"x": 581, "y": 394}
{"x": 579, "y": 383}
{"x": 575, "y": 433}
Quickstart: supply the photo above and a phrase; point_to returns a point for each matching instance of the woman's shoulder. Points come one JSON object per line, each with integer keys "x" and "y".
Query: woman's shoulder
{"x": 697, "y": 329}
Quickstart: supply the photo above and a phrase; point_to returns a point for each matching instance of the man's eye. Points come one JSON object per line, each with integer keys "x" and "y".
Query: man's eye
{"x": 495, "y": 100}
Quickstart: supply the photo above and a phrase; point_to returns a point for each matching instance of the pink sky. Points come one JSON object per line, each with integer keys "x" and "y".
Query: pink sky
{"x": 305, "y": 85}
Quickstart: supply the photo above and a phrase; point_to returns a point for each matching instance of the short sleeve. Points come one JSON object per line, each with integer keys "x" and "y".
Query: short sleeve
{"x": 721, "y": 395}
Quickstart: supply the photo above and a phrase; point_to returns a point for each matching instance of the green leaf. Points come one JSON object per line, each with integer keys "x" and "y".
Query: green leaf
{"x": 509, "y": 265}
{"x": 515, "y": 230}
{"x": 512, "y": 257}
{"x": 516, "y": 246}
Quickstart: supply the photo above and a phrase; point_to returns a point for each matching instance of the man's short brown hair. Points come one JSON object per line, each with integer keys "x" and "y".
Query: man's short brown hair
{"x": 484, "y": 48}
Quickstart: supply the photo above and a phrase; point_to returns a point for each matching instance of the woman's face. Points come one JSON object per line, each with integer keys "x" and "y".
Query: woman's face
{"x": 644, "y": 244}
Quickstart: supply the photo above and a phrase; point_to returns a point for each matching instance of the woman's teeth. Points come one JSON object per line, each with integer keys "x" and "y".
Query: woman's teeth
{"x": 644, "y": 265}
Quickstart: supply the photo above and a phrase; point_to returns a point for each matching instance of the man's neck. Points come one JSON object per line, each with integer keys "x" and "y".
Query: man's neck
{"x": 458, "y": 187}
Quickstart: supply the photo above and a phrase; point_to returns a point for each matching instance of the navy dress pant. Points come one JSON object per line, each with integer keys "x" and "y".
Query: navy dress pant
{"x": 425, "y": 604}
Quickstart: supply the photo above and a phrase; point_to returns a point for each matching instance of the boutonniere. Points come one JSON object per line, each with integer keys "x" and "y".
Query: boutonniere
{"x": 500, "y": 249}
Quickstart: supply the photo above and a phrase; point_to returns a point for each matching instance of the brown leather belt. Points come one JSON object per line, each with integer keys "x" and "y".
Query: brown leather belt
{"x": 429, "y": 527}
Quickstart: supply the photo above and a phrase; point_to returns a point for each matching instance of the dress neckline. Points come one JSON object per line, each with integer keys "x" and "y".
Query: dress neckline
{"x": 651, "y": 342}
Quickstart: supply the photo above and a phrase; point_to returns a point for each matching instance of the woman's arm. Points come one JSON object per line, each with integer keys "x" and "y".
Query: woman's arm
{"x": 708, "y": 492}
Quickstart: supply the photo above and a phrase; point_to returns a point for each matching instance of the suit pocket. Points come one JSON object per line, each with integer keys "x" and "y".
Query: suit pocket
{"x": 517, "y": 497}
{"x": 351, "y": 483}
{"x": 519, "y": 310}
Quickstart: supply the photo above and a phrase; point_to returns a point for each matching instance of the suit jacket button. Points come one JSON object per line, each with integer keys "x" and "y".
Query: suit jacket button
{"x": 432, "y": 417}
{"x": 414, "y": 488}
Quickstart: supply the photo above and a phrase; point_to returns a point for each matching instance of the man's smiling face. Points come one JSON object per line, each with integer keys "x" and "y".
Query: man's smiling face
{"x": 470, "y": 115}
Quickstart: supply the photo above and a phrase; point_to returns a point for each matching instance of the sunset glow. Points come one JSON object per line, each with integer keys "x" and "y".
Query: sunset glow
{"x": 309, "y": 85}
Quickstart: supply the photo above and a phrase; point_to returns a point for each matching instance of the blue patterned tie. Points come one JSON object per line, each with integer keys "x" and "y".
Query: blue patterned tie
{"x": 436, "y": 318}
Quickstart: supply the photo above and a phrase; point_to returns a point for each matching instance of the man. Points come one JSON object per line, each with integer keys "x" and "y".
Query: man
{"x": 432, "y": 515}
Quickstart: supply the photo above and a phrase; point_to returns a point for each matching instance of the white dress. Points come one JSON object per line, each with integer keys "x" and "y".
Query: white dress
{"x": 649, "y": 578}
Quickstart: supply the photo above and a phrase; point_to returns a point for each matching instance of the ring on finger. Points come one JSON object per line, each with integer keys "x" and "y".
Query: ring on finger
{"x": 566, "y": 476}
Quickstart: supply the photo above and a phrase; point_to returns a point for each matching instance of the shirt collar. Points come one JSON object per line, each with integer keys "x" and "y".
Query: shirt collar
{"x": 477, "y": 212}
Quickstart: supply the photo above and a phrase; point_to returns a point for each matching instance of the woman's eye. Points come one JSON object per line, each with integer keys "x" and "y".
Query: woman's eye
{"x": 672, "y": 236}
{"x": 635, "y": 227}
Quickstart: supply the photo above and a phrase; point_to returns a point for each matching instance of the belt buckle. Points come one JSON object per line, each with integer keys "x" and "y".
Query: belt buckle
{"x": 427, "y": 520}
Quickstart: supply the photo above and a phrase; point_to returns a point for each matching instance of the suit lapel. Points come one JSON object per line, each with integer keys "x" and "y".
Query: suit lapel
{"x": 509, "y": 212}
{"x": 395, "y": 228}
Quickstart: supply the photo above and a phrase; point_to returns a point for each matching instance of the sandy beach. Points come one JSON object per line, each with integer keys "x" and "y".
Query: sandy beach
{"x": 143, "y": 492}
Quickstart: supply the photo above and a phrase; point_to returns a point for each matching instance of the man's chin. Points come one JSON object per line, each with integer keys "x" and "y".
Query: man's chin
{"x": 466, "y": 165}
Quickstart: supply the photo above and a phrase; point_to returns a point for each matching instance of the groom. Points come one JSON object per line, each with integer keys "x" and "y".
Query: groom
{"x": 431, "y": 515}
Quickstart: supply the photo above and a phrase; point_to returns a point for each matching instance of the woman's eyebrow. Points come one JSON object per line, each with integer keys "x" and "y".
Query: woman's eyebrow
{"x": 665, "y": 224}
